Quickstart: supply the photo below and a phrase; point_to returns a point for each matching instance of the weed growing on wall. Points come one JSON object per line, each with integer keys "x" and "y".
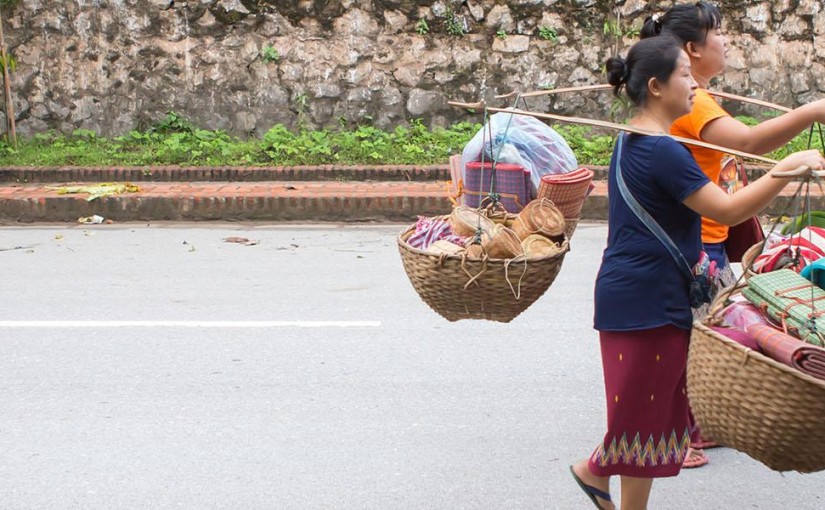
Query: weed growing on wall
{"x": 454, "y": 25}
{"x": 548, "y": 34}
{"x": 270, "y": 54}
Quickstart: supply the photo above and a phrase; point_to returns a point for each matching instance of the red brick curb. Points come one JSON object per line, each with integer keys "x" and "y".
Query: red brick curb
{"x": 231, "y": 174}
{"x": 267, "y": 201}
{"x": 250, "y": 174}
{"x": 285, "y": 201}
{"x": 311, "y": 193}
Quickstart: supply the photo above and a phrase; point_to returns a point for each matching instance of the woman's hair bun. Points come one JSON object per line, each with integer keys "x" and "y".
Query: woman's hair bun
{"x": 651, "y": 27}
{"x": 616, "y": 71}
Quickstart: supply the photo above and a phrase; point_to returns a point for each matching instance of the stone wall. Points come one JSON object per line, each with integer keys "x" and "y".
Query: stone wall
{"x": 244, "y": 65}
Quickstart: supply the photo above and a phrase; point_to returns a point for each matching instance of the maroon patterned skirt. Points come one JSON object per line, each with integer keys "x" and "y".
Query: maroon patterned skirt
{"x": 648, "y": 418}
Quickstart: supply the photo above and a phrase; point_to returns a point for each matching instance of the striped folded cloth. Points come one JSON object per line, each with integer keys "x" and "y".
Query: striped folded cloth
{"x": 809, "y": 243}
{"x": 790, "y": 351}
{"x": 430, "y": 230}
{"x": 567, "y": 191}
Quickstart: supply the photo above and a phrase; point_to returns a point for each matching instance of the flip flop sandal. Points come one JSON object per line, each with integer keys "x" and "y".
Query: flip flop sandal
{"x": 694, "y": 459}
{"x": 591, "y": 491}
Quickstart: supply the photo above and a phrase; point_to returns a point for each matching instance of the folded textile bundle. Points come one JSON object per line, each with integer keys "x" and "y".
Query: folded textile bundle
{"x": 739, "y": 336}
{"x": 809, "y": 244}
{"x": 430, "y": 230}
{"x": 567, "y": 191}
{"x": 512, "y": 184}
{"x": 790, "y": 299}
{"x": 740, "y": 315}
{"x": 789, "y": 351}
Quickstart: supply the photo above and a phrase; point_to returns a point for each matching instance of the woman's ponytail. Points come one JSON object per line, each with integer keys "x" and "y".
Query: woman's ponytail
{"x": 616, "y": 73}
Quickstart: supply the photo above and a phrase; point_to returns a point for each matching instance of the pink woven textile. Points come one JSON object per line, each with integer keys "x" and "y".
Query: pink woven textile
{"x": 567, "y": 191}
{"x": 430, "y": 230}
{"x": 790, "y": 351}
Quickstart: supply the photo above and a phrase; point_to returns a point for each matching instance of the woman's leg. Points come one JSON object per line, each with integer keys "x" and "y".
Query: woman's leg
{"x": 581, "y": 470}
{"x": 635, "y": 492}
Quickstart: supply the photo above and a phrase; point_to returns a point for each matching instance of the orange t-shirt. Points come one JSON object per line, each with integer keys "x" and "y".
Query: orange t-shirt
{"x": 705, "y": 109}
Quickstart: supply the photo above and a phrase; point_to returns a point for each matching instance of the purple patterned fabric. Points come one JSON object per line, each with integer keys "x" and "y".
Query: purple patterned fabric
{"x": 512, "y": 184}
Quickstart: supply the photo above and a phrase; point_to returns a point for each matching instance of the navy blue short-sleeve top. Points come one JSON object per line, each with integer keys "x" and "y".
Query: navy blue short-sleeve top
{"x": 639, "y": 285}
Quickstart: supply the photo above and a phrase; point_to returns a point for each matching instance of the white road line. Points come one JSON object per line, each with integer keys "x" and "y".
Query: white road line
{"x": 190, "y": 324}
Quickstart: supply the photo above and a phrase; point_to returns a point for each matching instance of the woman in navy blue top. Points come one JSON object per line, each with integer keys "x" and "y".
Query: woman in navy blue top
{"x": 642, "y": 309}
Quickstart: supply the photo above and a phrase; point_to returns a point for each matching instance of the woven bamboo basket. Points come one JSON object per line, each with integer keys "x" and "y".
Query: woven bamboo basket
{"x": 748, "y": 257}
{"x": 747, "y": 401}
{"x": 458, "y": 288}
{"x": 570, "y": 225}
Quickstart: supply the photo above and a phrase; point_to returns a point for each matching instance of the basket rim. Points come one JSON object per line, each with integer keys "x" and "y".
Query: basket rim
{"x": 758, "y": 356}
{"x": 565, "y": 247}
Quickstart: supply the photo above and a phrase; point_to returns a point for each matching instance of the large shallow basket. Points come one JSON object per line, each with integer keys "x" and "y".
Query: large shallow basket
{"x": 749, "y": 257}
{"x": 494, "y": 289}
{"x": 749, "y": 402}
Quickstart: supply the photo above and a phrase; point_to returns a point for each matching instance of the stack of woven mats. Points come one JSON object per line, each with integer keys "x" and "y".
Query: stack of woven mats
{"x": 791, "y": 300}
{"x": 567, "y": 191}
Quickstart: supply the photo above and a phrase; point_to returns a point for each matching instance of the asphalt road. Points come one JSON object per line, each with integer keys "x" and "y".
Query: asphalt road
{"x": 300, "y": 372}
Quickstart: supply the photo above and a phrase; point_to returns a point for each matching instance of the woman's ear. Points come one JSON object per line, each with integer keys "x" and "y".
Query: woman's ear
{"x": 654, "y": 87}
{"x": 692, "y": 50}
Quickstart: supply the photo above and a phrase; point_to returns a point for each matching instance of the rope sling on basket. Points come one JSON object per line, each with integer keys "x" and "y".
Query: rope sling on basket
{"x": 746, "y": 400}
{"x": 475, "y": 284}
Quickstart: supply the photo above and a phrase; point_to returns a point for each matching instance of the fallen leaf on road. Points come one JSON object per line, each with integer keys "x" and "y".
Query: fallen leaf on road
{"x": 240, "y": 240}
{"x": 97, "y": 190}
{"x": 58, "y": 237}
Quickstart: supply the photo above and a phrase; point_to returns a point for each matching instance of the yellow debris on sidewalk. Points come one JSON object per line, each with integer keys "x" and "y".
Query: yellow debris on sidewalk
{"x": 97, "y": 190}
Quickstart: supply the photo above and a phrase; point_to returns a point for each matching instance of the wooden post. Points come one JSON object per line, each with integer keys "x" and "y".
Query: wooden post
{"x": 11, "y": 129}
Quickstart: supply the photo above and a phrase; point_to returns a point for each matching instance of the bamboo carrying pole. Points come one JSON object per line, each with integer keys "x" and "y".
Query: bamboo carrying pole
{"x": 587, "y": 88}
{"x": 618, "y": 127}
{"x": 801, "y": 171}
{"x": 10, "y": 125}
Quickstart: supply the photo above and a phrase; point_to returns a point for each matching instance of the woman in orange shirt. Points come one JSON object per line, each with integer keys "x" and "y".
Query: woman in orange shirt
{"x": 699, "y": 28}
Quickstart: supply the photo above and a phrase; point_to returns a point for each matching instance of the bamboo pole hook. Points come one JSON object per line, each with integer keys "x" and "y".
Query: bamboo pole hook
{"x": 479, "y": 105}
{"x": 509, "y": 95}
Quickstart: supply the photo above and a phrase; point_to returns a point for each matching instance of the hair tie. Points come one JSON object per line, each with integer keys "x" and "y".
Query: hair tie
{"x": 656, "y": 18}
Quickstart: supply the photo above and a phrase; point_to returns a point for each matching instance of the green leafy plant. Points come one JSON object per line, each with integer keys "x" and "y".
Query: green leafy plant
{"x": 10, "y": 62}
{"x": 501, "y": 34}
{"x": 611, "y": 29}
{"x": 269, "y": 54}
{"x": 173, "y": 123}
{"x": 175, "y": 140}
{"x": 632, "y": 32}
{"x": 548, "y": 34}
{"x": 422, "y": 28}
{"x": 454, "y": 25}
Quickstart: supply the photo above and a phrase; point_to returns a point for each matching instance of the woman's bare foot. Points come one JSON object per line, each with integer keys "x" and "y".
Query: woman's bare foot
{"x": 581, "y": 470}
